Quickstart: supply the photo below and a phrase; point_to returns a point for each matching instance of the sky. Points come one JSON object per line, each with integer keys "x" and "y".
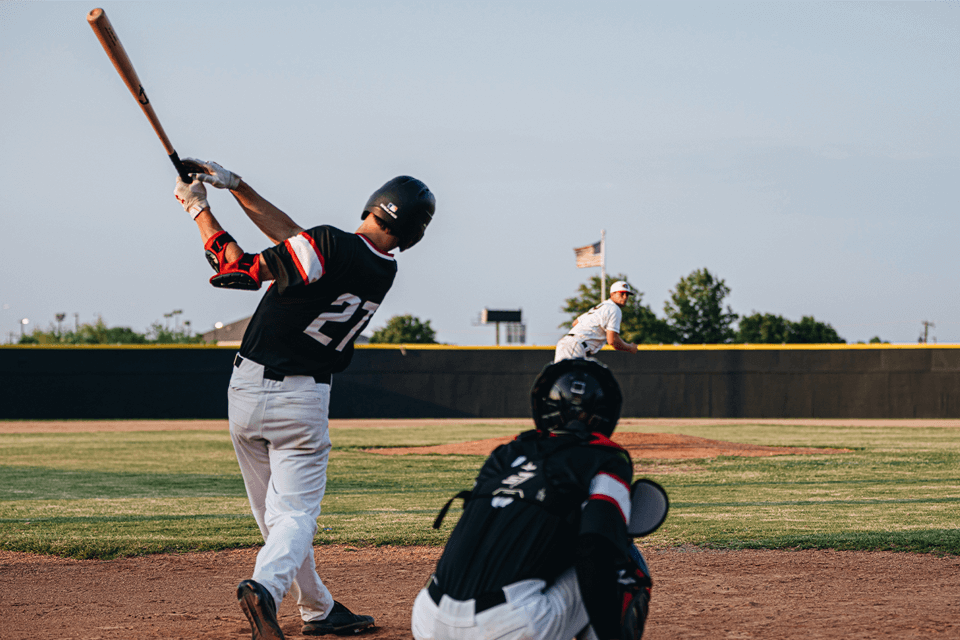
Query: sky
{"x": 806, "y": 153}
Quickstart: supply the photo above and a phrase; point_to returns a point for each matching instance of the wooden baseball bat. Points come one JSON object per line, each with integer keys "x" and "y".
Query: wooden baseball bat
{"x": 118, "y": 56}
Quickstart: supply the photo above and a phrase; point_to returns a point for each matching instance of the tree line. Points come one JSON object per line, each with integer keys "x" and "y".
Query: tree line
{"x": 99, "y": 333}
{"x": 695, "y": 313}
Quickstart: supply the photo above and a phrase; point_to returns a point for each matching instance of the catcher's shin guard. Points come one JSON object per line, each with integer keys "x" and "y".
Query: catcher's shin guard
{"x": 635, "y": 598}
{"x": 634, "y": 615}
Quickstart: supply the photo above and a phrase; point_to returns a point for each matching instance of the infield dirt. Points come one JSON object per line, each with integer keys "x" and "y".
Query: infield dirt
{"x": 697, "y": 594}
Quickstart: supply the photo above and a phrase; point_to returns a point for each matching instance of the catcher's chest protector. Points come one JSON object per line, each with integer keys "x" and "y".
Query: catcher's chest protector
{"x": 533, "y": 470}
{"x": 524, "y": 514}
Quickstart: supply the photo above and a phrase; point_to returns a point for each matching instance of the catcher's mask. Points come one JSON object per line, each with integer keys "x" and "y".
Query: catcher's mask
{"x": 582, "y": 390}
{"x": 405, "y": 206}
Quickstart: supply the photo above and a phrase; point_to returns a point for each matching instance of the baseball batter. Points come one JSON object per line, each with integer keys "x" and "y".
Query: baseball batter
{"x": 542, "y": 550}
{"x": 326, "y": 286}
{"x": 597, "y": 327}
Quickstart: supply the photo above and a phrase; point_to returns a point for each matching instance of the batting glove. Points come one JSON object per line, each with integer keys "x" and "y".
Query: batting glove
{"x": 212, "y": 173}
{"x": 192, "y": 196}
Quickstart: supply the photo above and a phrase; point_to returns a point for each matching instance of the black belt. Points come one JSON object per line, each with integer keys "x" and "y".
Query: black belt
{"x": 271, "y": 374}
{"x": 481, "y": 602}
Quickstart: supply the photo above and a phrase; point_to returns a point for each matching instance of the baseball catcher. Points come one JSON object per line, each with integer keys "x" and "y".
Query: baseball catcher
{"x": 542, "y": 550}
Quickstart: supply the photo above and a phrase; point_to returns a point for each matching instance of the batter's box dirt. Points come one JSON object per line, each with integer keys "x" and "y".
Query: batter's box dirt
{"x": 756, "y": 594}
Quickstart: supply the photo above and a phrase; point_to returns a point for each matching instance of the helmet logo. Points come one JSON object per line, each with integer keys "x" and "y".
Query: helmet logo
{"x": 390, "y": 208}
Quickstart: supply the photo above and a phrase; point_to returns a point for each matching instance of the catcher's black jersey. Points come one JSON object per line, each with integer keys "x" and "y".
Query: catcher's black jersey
{"x": 328, "y": 285}
{"x": 531, "y": 501}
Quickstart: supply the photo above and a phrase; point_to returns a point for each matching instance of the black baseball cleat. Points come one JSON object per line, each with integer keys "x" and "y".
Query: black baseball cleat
{"x": 340, "y": 621}
{"x": 260, "y": 609}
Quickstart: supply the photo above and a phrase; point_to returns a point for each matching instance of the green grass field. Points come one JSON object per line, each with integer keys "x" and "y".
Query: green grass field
{"x": 101, "y": 495}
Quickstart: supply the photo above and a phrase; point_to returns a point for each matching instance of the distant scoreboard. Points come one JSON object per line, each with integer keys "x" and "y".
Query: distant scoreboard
{"x": 500, "y": 315}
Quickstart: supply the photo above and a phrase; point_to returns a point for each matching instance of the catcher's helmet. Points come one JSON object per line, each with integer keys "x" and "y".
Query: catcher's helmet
{"x": 582, "y": 390}
{"x": 405, "y": 205}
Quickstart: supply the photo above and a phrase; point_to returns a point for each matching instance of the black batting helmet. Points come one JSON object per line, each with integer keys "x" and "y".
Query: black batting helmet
{"x": 582, "y": 390}
{"x": 405, "y": 206}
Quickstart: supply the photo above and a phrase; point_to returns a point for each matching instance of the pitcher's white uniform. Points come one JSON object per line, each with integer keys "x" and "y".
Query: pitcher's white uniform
{"x": 589, "y": 334}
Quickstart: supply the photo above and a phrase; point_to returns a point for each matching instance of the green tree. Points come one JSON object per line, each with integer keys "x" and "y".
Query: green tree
{"x": 405, "y": 329}
{"x": 809, "y": 331}
{"x": 100, "y": 333}
{"x": 158, "y": 334}
{"x": 763, "y": 328}
{"x": 639, "y": 323}
{"x": 767, "y": 328}
{"x": 695, "y": 310}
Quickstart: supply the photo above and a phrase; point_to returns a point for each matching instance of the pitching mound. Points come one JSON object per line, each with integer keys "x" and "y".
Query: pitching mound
{"x": 649, "y": 446}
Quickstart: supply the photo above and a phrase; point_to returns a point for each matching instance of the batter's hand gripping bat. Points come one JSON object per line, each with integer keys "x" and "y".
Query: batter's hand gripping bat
{"x": 111, "y": 44}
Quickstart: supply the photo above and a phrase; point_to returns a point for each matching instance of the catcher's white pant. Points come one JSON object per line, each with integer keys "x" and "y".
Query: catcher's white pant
{"x": 530, "y": 613}
{"x": 570, "y": 348}
{"x": 280, "y": 434}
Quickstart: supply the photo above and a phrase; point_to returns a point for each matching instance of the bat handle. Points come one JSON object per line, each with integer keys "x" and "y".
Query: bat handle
{"x": 181, "y": 170}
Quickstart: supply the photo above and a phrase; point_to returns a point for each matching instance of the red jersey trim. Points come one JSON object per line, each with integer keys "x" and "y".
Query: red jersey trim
{"x": 310, "y": 270}
{"x": 604, "y": 441}
{"x": 296, "y": 260}
{"x": 374, "y": 248}
{"x": 616, "y": 479}
{"x": 610, "y": 488}
{"x": 604, "y": 498}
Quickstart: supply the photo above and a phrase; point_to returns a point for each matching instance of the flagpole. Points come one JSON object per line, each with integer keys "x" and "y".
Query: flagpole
{"x": 603, "y": 265}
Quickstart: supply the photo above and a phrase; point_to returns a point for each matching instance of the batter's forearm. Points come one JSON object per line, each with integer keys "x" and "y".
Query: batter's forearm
{"x": 209, "y": 227}
{"x": 273, "y": 222}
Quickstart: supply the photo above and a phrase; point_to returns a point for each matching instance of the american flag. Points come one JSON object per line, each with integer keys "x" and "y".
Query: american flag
{"x": 589, "y": 256}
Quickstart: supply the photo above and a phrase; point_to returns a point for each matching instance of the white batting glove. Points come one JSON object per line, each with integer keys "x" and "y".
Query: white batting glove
{"x": 192, "y": 196}
{"x": 212, "y": 173}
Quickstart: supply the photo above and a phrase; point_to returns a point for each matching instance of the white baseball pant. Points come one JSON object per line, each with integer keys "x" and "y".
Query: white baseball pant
{"x": 530, "y": 613}
{"x": 280, "y": 434}
{"x": 570, "y": 348}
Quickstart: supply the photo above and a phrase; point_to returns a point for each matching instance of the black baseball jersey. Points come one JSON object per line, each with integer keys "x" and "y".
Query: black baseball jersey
{"x": 328, "y": 285}
{"x": 532, "y": 501}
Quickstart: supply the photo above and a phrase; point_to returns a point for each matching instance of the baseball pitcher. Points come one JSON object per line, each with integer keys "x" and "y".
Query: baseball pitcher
{"x": 597, "y": 327}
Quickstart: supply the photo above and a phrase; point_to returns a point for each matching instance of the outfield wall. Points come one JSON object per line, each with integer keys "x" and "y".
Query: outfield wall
{"x": 719, "y": 381}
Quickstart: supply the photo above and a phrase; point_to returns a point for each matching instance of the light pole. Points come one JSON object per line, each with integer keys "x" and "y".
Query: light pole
{"x": 60, "y": 317}
{"x": 216, "y": 332}
{"x": 176, "y": 321}
{"x": 23, "y": 324}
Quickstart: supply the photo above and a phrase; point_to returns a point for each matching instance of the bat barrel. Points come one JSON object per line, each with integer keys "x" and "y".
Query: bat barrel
{"x": 100, "y": 23}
